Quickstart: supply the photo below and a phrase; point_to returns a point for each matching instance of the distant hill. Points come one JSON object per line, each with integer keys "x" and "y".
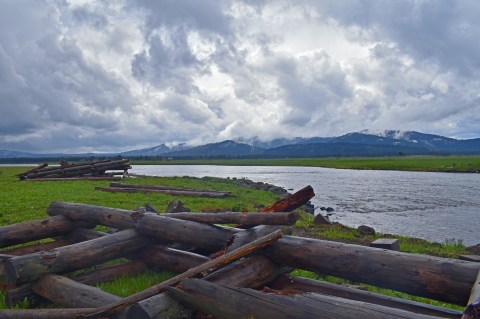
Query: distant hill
{"x": 363, "y": 143}
{"x": 155, "y": 151}
{"x": 226, "y": 148}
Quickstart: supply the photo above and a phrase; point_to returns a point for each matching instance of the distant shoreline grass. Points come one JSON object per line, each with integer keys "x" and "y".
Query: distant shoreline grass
{"x": 450, "y": 164}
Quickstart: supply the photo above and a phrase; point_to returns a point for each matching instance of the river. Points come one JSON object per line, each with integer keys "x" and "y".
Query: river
{"x": 436, "y": 206}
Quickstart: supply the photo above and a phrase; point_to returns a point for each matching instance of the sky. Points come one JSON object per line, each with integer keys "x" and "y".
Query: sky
{"x": 110, "y": 76}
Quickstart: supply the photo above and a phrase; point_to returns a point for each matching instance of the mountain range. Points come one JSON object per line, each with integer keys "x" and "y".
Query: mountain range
{"x": 363, "y": 143}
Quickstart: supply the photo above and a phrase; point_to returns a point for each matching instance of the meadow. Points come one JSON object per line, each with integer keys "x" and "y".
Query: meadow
{"x": 28, "y": 200}
{"x": 400, "y": 163}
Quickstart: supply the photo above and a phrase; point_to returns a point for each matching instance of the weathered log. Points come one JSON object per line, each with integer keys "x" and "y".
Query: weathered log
{"x": 31, "y": 267}
{"x": 84, "y": 178}
{"x": 293, "y": 283}
{"x": 279, "y": 218}
{"x": 36, "y": 247}
{"x": 109, "y": 273}
{"x": 71, "y": 294}
{"x": 77, "y": 167}
{"x": 472, "y": 311}
{"x": 122, "y": 185}
{"x": 163, "y": 191}
{"x": 291, "y": 202}
{"x": 36, "y": 229}
{"x": 230, "y": 302}
{"x": 437, "y": 278}
{"x": 63, "y": 313}
{"x": 22, "y": 175}
{"x": 169, "y": 259}
{"x": 207, "y": 266}
{"x": 253, "y": 272}
{"x": 181, "y": 231}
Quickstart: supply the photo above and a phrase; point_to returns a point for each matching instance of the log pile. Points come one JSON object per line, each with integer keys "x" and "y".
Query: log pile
{"x": 223, "y": 271}
{"x": 136, "y": 188}
{"x": 96, "y": 170}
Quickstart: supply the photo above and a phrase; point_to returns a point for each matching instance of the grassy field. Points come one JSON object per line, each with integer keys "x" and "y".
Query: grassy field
{"x": 401, "y": 163}
{"x": 27, "y": 200}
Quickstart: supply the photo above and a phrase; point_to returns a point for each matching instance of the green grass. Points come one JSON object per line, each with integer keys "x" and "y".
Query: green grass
{"x": 401, "y": 163}
{"x": 23, "y": 201}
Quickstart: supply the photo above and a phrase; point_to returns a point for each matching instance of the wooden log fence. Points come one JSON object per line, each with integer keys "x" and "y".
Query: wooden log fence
{"x": 42, "y": 269}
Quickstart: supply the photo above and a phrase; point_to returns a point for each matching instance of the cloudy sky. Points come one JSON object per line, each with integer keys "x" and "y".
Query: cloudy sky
{"x": 79, "y": 75}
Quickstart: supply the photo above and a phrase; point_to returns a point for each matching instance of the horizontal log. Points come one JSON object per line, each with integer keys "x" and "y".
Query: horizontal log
{"x": 278, "y": 218}
{"x": 168, "y": 259}
{"x": 36, "y": 229}
{"x": 162, "y": 191}
{"x": 158, "y": 187}
{"x": 103, "y": 274}
{"x": 180, "y": 231}
{"x": 68, "y": 293}
{"x": 437, "y": 278}
{"x": 235, "y": 303}
{"x": 18, "y": 251}
{"x": 86, "y": 178}
{"x": 22, "y": 269}
{"x": 293, "y": 283}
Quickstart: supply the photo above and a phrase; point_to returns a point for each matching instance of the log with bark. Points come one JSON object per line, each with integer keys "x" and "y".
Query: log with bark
{"x": 246, "y": 219}
{"x": 26, "y": 268}
{"x": 33, "y": 230}
{"x": 291, "y": 202}
{"x": 223, "y": 301}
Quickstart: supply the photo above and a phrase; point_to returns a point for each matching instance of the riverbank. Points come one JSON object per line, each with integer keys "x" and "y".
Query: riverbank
{"x": 453, "y": 164}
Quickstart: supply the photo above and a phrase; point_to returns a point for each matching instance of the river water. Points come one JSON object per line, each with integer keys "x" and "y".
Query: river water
{"x": 434, "y": 206}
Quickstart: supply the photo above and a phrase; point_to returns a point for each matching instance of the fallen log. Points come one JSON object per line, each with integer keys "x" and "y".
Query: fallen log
{"x": 164, "y": 191}
{"x": 174, "y": 230}
{"x": 443, "y": 279}
{"x": 293, "y": 283}
{"x": 207, "y": 266}
{"x": 279, "y": 218}
{"x": 253, "y": 272}
{"x": 22, "y": 269}
{"x": 85, "y": 178}
{"x": 168, "y": 259}
{"x": 71, "y": 294}
{"x": 122, "y": 185}
{"x": 36, "y": 229}
{"x": 291, "y": 202}
{"x": 472, "y": 311}
{"x": 238, "y": 303}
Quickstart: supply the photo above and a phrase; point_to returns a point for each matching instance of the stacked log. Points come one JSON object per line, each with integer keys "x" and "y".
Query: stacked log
{"x": 234, "y": 263}
{"x": 95, "y": 170}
